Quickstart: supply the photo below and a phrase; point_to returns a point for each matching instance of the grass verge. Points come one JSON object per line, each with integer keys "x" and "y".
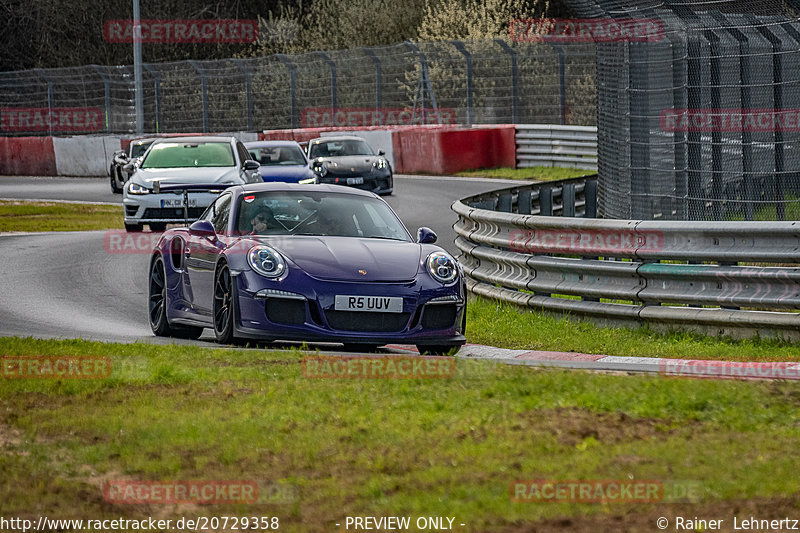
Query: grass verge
{"x": 506, "y": 326}
{"x": 57, "y": 216}
{"x": 381, "y": 447}
{"x": 530, "y": 173}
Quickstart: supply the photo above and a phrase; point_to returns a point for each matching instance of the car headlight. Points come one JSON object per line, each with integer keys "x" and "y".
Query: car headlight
{"x": 320, "y": 169}
{"x": 309, "y": 181}
{"x": 380, "y": 164}
{"x": 266, "y": 261}
{"x": 442, "y": 267}
{"x": 133, "y": 188}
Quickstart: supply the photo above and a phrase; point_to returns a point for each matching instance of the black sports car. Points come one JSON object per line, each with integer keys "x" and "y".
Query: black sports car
{"x": 123, "y": 163}
{"x": 349, "y": 160}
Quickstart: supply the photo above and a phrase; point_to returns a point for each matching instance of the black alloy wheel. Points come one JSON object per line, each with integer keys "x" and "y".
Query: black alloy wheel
{"x": 223, "y": 305}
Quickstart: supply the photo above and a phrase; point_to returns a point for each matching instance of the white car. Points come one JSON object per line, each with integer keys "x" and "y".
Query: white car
{"x": 198, "y": 160}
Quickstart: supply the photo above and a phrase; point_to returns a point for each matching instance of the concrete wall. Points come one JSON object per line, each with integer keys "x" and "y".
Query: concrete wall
{"x": 84, "y": 155}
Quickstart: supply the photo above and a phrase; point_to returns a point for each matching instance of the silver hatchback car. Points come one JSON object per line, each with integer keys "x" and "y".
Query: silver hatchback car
{"x": 198, "y": 160}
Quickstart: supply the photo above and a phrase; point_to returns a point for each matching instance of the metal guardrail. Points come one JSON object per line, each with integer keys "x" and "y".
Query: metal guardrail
{"x": 724, "y": 278}
{"x": 556, "y": 146}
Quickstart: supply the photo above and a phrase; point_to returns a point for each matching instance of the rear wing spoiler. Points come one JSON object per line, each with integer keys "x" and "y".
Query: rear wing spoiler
{"x": 178, "y": 188}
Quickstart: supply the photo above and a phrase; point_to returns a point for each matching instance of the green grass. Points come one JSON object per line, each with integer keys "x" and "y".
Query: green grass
{"x": 767, "y": 212}
{"x": 506, "y": 326}
{"x": 445, "y": 447}
{"x": 56, "y": 216}
{"x": 531, "y": 173}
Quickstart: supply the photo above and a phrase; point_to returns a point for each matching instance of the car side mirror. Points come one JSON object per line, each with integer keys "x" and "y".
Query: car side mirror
{"x": 381, "y": 152}
{"x": 251, "y": 165}
{"x": 426, "y": 236}
{"x": 202, "y": 228}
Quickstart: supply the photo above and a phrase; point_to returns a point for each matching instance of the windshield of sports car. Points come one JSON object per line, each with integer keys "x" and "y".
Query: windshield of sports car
{"x": 340, "y": 148}
{"x": 315, "y": 213}
{"x": 189, "y": 154}
{"x": 278, "y": 155}
{"x": 138, "y": 149}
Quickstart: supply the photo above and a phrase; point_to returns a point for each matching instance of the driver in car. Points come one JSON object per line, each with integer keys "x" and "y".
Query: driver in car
{"x": 263, "y": 220}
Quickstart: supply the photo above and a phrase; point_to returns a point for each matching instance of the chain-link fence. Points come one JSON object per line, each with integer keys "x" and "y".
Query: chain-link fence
{"x": 478, "y": 82}
{"x": 704, "y": 122}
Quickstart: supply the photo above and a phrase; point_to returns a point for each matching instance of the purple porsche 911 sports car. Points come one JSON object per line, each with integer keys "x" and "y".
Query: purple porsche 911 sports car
{"x": 279, "y": 261}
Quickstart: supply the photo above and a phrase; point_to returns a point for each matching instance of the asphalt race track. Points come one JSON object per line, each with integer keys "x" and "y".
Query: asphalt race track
{"x": 66, "y": 285}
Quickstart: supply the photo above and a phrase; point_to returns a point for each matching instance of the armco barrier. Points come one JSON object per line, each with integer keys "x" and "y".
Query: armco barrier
{"x": 27, "y": 156}
{"x": 724, "y": 278}
{"x": 556, "y": 146}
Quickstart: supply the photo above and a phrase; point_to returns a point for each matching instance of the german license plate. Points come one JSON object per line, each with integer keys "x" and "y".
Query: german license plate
{"x": 355, "y": 181}
{"x": 382, "y": 304}
{"x": 177, "y": 203}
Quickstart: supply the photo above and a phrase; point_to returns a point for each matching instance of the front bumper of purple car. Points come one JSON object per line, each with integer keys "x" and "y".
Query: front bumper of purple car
{"x": 301, "y": 307}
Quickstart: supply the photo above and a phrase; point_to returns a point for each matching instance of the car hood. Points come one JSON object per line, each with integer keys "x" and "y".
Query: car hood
{"x": 287, "y": 173}
{"x": 359, "y": 163}
{"x": 351, "y": 259}
{"x": 147, "y": 176}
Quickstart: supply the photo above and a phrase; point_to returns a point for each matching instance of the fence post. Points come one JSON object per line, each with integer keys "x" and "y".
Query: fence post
{"x": 157, "y": 79}
{"x": 514, "y": 71}
{"x": 717, "y": 182}
{"x": 748, "y": 177}
{"x": 468, "y": 60}
{"x": 424, "y": 84}
{"x": 562, "y": 84}
{"x": 779, "y": 197}
{"x": 107, "y": 94}
{"x": 679, "y": 82}
{"x": 332, "y": 66}
{"x": 378, "y": 77}
{"x": 641, "y": 203}
{"x": 248, "y": 90}
{"x": 50, "y": 95}
{"x": 204, "y": 90}
{"x": 292, "y": 86}
{"x": 777, "y": 103}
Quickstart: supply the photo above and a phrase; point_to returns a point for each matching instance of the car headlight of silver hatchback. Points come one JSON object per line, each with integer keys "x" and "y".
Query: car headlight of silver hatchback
{"x": 442, "y": 267}
{"x": 134, "y": 188}
{"x": 266, "y": 261}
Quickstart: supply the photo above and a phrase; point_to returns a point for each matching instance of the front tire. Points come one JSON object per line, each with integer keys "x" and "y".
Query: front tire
{"x": 223, "y": 305}
{"x": 157, "y": 306}
{"x": 117, "y": 182}
{"x": 133, "y": 228}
